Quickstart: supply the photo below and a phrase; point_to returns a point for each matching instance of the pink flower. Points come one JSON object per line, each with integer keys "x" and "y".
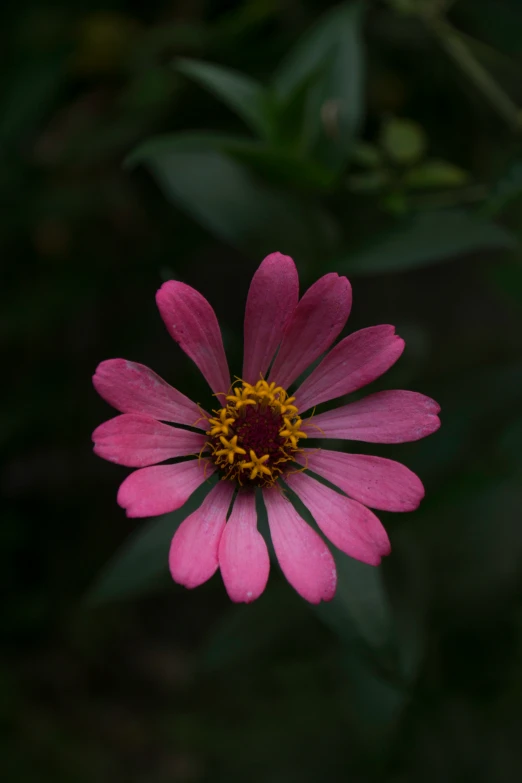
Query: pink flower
{"x": 256, "y": 436}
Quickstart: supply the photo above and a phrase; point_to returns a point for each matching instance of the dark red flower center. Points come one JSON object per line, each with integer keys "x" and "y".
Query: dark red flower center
{"x": 258, "y": 431}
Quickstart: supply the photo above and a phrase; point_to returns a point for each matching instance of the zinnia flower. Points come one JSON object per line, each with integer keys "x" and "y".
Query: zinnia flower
{"x": 259, "y": 436}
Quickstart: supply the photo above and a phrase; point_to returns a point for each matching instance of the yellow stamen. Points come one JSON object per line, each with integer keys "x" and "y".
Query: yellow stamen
{"x": 287, "y": 408}
{"x": 222, "y": 424}
{"x": 256, "y": 465}
{"x": 242, "y": 396}
{"x": 230, "y": 449}
{"x": 291, "y": 431}
{"x": 308, "y": 423}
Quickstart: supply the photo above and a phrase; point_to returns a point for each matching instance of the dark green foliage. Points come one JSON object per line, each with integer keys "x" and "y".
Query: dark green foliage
{"x": 187, "y": 140}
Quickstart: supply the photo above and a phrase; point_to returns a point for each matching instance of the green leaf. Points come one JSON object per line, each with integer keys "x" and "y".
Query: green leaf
{"x": 403, "y": 141}
{"x": 143, "y": 560}
{"x": 224, "y": 197}
{"x": 507, "y": 190}
{"x": 245, "y": 96}
{"x": 340, "y": 25}
{"x": 377, "y": 700}
{"x": 436, "y": 174}
{"x": 280, "y": 166}
{"x": 360, "y": 608}
{"x": 333, "y": 51}
{"x": 248, "y": 632}
{"x": 425, "y": 239}
{"x": 296, "y": 117}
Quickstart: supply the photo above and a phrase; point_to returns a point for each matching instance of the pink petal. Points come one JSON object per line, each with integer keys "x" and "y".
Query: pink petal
{"x": 303, "y": 556}
{"x": 193, "y": 556}
{"x": 152, "y": 491}
{"x": 136, "y": 441}
{"x": 318, "y": 319}
{"x": 133, "y": 388}
{"x": 272, "y": 299}
{"x": 384, "y": 417}
{"x": 243, "y": 555}
{"x": 356, "y": 361}
{"x": 374, "y": 481}
{"x": 352, "y": 527}
{"x": 192, "y": 323}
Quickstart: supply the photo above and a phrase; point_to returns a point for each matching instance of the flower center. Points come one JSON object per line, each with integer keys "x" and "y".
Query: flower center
{"x": 258, "y": 431}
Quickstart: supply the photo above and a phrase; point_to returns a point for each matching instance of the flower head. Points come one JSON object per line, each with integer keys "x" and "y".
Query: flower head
{"x": 258, "y": 437}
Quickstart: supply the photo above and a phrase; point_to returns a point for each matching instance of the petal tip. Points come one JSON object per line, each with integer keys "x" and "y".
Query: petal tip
{"x": 244, "y": 597}
{"x": 169, "y": 289}
{"x": 325, "y": 597}
{"x": 97, "y": 377}
{"x": 97, "y": 448}
{"x": 167, "y": 285}
{"x": 432, "y": 406}
{"x": 435, "y": 422}
{"x": 277, "y": 258}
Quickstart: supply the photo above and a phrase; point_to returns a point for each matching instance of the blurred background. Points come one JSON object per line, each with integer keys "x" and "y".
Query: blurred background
{"x": 187, "y": 139}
